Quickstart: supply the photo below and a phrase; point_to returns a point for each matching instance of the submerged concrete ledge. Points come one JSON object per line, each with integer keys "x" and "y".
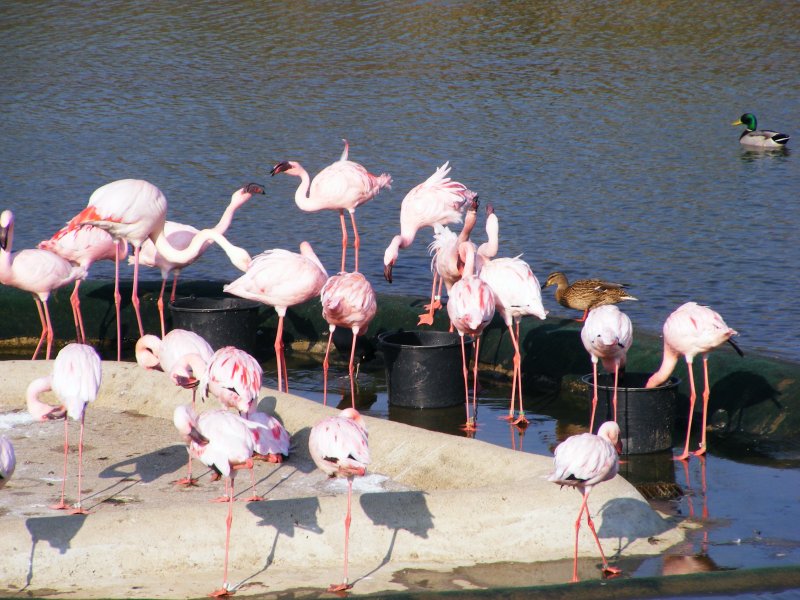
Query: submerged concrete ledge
{"x": 430, "y": 501}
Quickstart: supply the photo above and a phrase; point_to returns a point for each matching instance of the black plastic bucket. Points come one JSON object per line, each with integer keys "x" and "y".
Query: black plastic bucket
{"x": 221, "y": 320}
{"x": 423, "y": 368}
{"x": 646, "y": 417}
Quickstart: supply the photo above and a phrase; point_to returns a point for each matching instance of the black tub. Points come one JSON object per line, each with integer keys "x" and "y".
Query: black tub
{"x": 646, "y": 417}
{"x": 423, "y": 368}
{"x": 221, "y": 320}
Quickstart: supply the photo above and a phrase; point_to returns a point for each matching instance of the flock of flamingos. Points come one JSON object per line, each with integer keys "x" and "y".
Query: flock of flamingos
{"x": 133, "y": 212}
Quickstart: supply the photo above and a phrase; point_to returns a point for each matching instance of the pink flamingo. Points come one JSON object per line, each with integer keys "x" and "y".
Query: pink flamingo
{"x": 180, "y": 235}
{"x": 281, "y": 279}
{"x": 438, "y": 199}
{"x": 691, "y": 330}
{"x": 84, "y": 247}
{"x": 470, "y": 307}
{"x": 36, "y": 271}
{"x": 339, "y": 447}
{"x": 607, "y": 335}
{"x": 272, "y": 441}
{"x": 154, "y": 353}
{"x": 582, "y": 461}
{"x": 343, "y": 185}
{"x": 222, "y": 441}
{"x": 348, "y": 300}
{"x": 77, "y": 372}
{"x": 517, "y": 294}
{"x": 135, "y": 210}
{"x": 8, "y": 461}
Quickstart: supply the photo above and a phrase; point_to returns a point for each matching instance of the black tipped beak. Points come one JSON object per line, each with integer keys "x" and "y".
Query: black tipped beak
{"x": 279, "y": 168}
{"x": 387, "y": 272}
{"x": 4, "y": 238}
{"x": 254, "y": 188}
{"x": 736, "y": 347}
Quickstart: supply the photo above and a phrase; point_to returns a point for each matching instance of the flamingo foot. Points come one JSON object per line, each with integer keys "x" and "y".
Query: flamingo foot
{"x": 684, "y": 456}
{"x": 425, "y": 319}
{"x": 78, "y": 510}
{"x": 220, "y": 499}
{"x": 469, "y": 426}
{"x": 522, "y": 422}
{"x": 509, "y": 417}
{"x": 222, "y": 592}
{"x": 338, "y": 588}
{"x": 60, "y": 506}
{"x": 700, "y": 452}
{"x": 275, "y": 459}
{"x": 610, "y": 572}
{"x": 186, "y": 482}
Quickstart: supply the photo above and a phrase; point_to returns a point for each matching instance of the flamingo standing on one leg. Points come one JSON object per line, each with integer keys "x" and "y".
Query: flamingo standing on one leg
{"x": 607, "y": 335}
{"x": 339, "y": 447}
{"x": 135, "y": 210}
{"x": 8, "y": 461}
{"x": 582, "y": 461}
{"x": 77, "y": 372}
{"x": 155, "y": 353}
{"x": 223, "y": 441}
{"x": 180, "y": 235}
{"x": 85, "y": 246}
{"x": 438, "y": 199}
{"x": 36, "y": 271}
{"x": 691, "y": 330}
{"x": 281, "y": 279}
{"x": 470, "y": 307}
{"x": 343, "y": 185}
{"x": 348, "y": 300}
{"x": 517, "y": 294}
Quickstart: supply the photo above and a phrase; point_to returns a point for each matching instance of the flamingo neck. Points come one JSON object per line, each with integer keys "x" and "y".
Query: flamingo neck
{"x": 488, "y": 249}
{"x": 665, "y": 370}
{"x": 302, "y": 194}
{"x": 227, "y": 216}
{"x": 38, "y": 409}
{"x": 238, "y": 256}
{"x": 148, "y": 349}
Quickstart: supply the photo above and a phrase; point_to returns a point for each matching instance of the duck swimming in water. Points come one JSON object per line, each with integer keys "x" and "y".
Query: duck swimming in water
{"x": 759, "y": 138}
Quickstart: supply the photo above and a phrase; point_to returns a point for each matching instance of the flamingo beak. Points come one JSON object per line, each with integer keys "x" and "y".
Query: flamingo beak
{"x": 387, "y": 272}
{"x": 254, "y": 188}
{"x": 618, "y": 447}
{"x": 4, "y": 238}
{"x": 280, "y": 168}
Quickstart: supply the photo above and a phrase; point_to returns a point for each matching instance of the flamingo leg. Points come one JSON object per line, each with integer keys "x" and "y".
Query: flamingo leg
{"x": 75, "y": 301}
{"x": 160, "y": 305}
{"x": 607, "y": 569}
{"x": 706, "y": 395}
{"x": 594, "y": 395}
{"x": 325, "y": 365}
{"x": 344, "y": 238}
{"x": 427, "y": 318}
{"x": 521, "y": 421}
{"x": 135, "y": 293}
{"x": 78, "y": 509}
{"x": 577, "y": 529}
{"x": 616, "y": 387}
{"x": 348, "y": 518}
{"x": 475, "y": 380}
{"x": 50, "y": 334}
{"x": 254, "y": 497}
{"x": 224, "y": 590}
{"x": 356, "y": 239}
{"x": 510, "y": 416}
{"x": 692, "y": 399}
{"x": 117, "y": 299}
{"x": 174, "y": 285}
{"x": 469, "y": 425}
{"x": 189, "y": 481}
{"x": 62, "y": 505}
{"x": 279, "y": 354}
{"x": 44, "y": 326}
{"x": 350, "y": 367}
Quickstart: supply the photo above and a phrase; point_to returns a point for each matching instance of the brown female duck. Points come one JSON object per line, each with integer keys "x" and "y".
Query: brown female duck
{"x": 586, "y": 294}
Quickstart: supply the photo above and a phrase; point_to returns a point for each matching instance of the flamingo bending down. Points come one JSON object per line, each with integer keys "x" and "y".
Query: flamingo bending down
{"x": 348, "y": 300}
{"x": 470, "y": 307}
{"x": 582, "y": 461}
{"x": 8, "y": 461}
{"x": 343, "y": 185}
{"x": 281, "y": 279}
{"x": 438, "y": 199}
{"x": 339, "y": 447}
{"x": 690, "y": 330}
{"x": 517, "y": 294}
{"x": 164, "y": 354}
{"x": 36, "y": 271}
{"x": 222, "y": 441}
{"x": 135, "y": 210}
{"x": 77, "y": 372}
{"x": 180, "y": 235}
{"x": 607, "y": 335}
{"x": 85, "y": 246}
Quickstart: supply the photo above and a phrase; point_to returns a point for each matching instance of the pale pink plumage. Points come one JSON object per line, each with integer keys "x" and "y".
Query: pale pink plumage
{"x": 154, "y": 353}
{"x": 233, "y": 377}
{"x": 281, "y": 278}
{"x": 348, "y": 300}
{"x": 607, "y": 335}
{"x": 77, "y": 373}
{"x": 36, "y": 271}
{"x": 339, "y": 446}
{"x": 690, "y": 330}
{"x": 135, "y": 210}
{"x": 436, "y": 200}
{"x": 343, "y": 185}
{"x": 8, "y": 461}
{"x": 470, "y": 306}
{"x": 180, "y": 235}
{"x": 582, "y": 461}
{"x": 272, "y": 441}
{"x": 84, "y": 246}
{"x": 517, "y": 294}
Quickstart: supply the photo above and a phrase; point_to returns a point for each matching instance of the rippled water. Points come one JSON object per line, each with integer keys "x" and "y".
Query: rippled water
{"x": 599, "y": 131}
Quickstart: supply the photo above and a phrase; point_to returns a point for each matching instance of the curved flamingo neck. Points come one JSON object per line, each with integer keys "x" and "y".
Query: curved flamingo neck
{"x": 238, "y": 256}
{"x": 665, "y": 370}
{"x": 39, "y": 410}
{"x": 302, "y": 194}
{"x": 237, "y": 201}
{"x": 148, "y": 350}
{"x": 489, "y": 248}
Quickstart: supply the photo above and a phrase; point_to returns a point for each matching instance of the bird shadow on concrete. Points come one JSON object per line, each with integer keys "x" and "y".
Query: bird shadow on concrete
{"x": 57, "y": 531}
{"x": 629, "y": 519}
{"x": 148, "y": 467}
{"x": 396, "y": 511}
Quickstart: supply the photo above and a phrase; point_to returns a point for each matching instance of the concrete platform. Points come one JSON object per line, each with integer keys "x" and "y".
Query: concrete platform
{"x": 431, "y": 504}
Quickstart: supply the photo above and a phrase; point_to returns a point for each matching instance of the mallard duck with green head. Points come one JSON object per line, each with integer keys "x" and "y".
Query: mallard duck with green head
{"x": 759, "y": 138}
{"x": 586, "y": 294}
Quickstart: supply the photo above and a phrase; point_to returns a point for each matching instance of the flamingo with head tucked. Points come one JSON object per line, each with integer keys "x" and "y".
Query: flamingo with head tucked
{"x": 180, "y": 235}
{"x": 343, "y": 185}
{"x": 36, "y": 271}
{"x": 438, "y": 199}
{"x": 77, "y": 373}
{"x": 690, "y": 330}
{"x": 8, "y": 461}
{"x": 281, "y": 278}
{"x": 135, "y": 210}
